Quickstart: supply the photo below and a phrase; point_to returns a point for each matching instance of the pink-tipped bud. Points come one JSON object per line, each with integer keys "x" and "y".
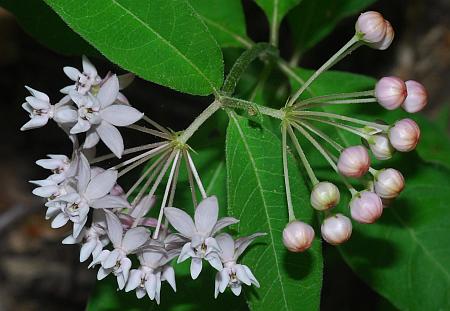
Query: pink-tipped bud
{"x": 325, "y": 195}
{"x": 381, "y": 147}
{"x": 366, "y": 207}
{"x": 387, "y": 40}
{"x": 404, "y": 135}
{"x": 390, "y": 92}
{"x": 371, "y": 26}
{"x": 389, "y": 183}
{"x": 336, "y": 229}
{"x": 354, "y": 161}
{"x": 417, "y": 97}
{"x": 298, "y": 236}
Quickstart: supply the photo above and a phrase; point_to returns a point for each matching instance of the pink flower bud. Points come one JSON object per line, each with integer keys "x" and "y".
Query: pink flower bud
{"x": 366, "y": 207}
{"x": 390, "y": 92}
{"x": 298, "y": 236}
{"x": 389, "y": 183}
{"x": 336, "y": 229}
{"x": 404, "y": 135}
{"x": 354, "y": 161}
{"x": 381, "y": 147}
{"x": 371, "y": 25}
{"x": 325, "y": 195}
{"x": 417, "y": 97}
{"x": 387, "y": 40}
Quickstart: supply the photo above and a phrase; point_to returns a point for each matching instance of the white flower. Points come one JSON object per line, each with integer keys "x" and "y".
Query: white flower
{"x": 116, "y": 261}
{"x": 98, "y": 116}
{"x": 233, "y": 274}
{"x": 61, "y": 166}
{"x": 40, "y": 110}
{"x": 154, "y": 268}
{"x": 83, "y": 80}
{"x": 89, "y": 192}
{"x": 202, "y": 245}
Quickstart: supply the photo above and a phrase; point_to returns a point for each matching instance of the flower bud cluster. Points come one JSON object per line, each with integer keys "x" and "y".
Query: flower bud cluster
{"x": 374, "y": 30}
{"x": 392, "y": 92}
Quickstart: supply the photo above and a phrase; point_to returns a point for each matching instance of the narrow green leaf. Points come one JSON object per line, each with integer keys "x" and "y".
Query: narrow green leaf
{"x": 41, "y": 22}
{"x": 256, "y": 196}
{"x": 313, "y": 20}
{"x": 162, "y": 41}
{"x": 225, "y": 20}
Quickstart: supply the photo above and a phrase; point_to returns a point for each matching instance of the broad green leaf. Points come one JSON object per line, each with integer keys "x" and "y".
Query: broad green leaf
{"x": 225, "y": 20}
{"x": 40, "y": 21}
{"x": 162, "y": 41}
{"x": 276, "y": 9}
{"x": 313, "y": 20}
{"x": 289, "y": 281}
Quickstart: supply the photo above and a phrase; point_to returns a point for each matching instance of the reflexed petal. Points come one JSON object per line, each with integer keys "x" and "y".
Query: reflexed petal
{"x": 110, "y": 135}
{"x": 59, "y": 221}
{"x": 214, "y": 261}
{"x": 224, "y": 279}
{"x": 52, "y": 211}
{"x": 65, "y": 114}
{"x": 98, "y": 249}
{"x": 216, "y": 285}
{"x": 206, "y": 215}
{"x": 84, "y": 174}
{"x": 68, "y": 89}
{"x": 35, "y": 122}
{"x": 70, "y": 240}
{"x": 37, "y": 103}
{"x": 27, "y": 108}
{"x": 181, "y": 221}
{"x": 140, "y": 292}
{"x": 115, "y": 230}
{"x": 46, "y": 191}
{"x": 152, "y": 258}
{"x": 196, "y": 267}
{"x": 121, "y": 115}
{"x": 87, "y": 249}
{"x": 72, "y": 73}
{"x": 168, "y": 275}
{"x": 222, "y": 223}
{"x": 242, "y": 275}
{"x": 226, "y": 244}
{"x": 134, "y": 280}
{"x": 250, "y": 275}
{"x": 101, "y": 185}
{"x": 125, "y": 265}
{"x": 236, "y": 289}
{"x": 212, "y": 245}
{"x": 49, "y": 164}
{"x": 150, "y": 286}
{"x": 125, "y": 80}
{"x": 121, "y": 281}
{"x": 88, "y": 67}
{"x": 79, "y": 99}
{"x": 121, "y": 99}
{"x": 110, "y": 201}
{"x": 186, "y": 252}
{"x": 158, "y": 289}
{"x": 112, "y": 259}
{"x": 134, "y": 238}
{"x": 108, "y": 92}
{"x": 92, "y": 139}
{"x": 80, "y": 127}
{"x": 78, "y": 226}
{"x": 99, "y": 258}
{"x": 103, "y": 273}
{"x": 197, "y": 240}
{"x": 37, "y": 94}
{"x": 244, "y": 242}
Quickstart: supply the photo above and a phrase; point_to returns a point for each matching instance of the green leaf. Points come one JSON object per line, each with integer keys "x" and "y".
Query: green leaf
{"x": 225, "y": 20}
{"x": 256, "y": 195}
{"x": 313, "y": 20}
{"x": 162, "y": 41}
{"x": 41, "y": 22}
{"x": 276, "y": 9}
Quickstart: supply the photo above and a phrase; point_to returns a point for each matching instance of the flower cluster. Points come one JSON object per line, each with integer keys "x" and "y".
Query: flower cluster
{"x": 112, "y": 225}
{"x": 354, "y": 162}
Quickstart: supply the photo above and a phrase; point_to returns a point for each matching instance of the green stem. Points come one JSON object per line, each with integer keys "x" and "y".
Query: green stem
{"x": 232, "y": 102}
{"x": 324, "y": 98}
{"x": 286, "y": 174}
{"x": 201, "y": 118}
{"x": 341, "y": 126}
{"x": 322, "y": 135}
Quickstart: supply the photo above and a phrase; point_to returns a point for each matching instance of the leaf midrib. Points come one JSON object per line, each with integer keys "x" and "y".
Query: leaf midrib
{"x": 247, "y": 148}
{"x": 194, "y": 66}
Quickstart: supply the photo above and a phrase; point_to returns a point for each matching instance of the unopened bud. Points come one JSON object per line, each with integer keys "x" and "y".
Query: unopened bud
{"x": 298, "y": 236}
{"x": 389, "y": 183}
{"x": 387, "y": 40}
{"x": 366, "y": 207}
{"x": 325, "y": 195}
{"x": 390, "y": 92}
{"x": 381, "y": 147}
{"x": 336, "y": 229}
{"x": 417, "y": 97}
{"x": 354, "y": 161}
{"x": 372, "y": 27}
{"x": 404, "y": 135}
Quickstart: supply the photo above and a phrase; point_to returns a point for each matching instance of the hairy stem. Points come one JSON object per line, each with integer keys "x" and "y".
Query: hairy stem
{"x": 286, "y": 174}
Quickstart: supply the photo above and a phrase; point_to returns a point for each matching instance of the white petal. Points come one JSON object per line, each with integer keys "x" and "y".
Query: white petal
{"x": 78, "y": 226}
{"x": 80, "y": 127}
{"x": 150, "y": 286}
{"x": 196, "y": 267}
{"x": 103, "y": 273}
{"x": 88, "y": 67}
{"x": 134, "y": 238}
{"x": 99, "y": 258}
{"x": 37, "y": 94}
{"x": 49, "y": 164}
{"x": 121, "y": 99}
{"x": 67, "y": 89}
{"x": 169, "y": 276}
{"x": 87, "y": 249}
{"x": 224, "y": 279}
{"x": 72, "y": 73}
{"x": 140, "y": 292}
{"x": 35, "y": 122}
{"x": 101, "y": 184}
{"x": 80, "y": 100}
{"x": 216, "y": 285}
{"x": 52, "y": 211}
{"x": 92, "y": 139}
{"x": 27, "y": 107}
{"x": 206, "y": 215}
{"x": 65, "y": 114}
{"x": 125, "y": 265}
{"x": 241, "y": 244}
{"x": 69, "y": 240}
{"x": 111, "y": 260}
{"x": 115, "y": 230}
{"x": 121, "y": 115}
{"x": 46, "y": 191}
{"x": 186, "y": 252}
{"x": 181, "y": 221}
{"x": 134, "y": 280}
{"x": 236, "y": 289}
{"x": 37, "y": 103}
{"x": 212, "y": 245}
{"x": 59, "y": 221}
{"x": 250, "y": 275}
{"x": 214, "y": 261}
{"x": 222, "y": 223}
{"x": 110, "y": 135}
{"x": 125, "y": 80}
{"x": 226, "y": 244}
{"x": 143, "y": 206}
{"x": 84, "y": 174}
{"x": 111, "y": 201}
{"x": 242, "y": 275}
{"x": 108, "y": 91}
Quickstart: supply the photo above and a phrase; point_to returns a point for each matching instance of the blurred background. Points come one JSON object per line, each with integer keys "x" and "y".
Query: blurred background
{"x": 38, "y": 273}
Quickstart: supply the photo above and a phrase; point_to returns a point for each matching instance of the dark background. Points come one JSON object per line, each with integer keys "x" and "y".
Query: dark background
{"x": 38, "y": 273}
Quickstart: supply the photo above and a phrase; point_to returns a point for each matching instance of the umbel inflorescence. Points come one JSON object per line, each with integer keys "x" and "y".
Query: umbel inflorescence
{"x": 112, "y": 224}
